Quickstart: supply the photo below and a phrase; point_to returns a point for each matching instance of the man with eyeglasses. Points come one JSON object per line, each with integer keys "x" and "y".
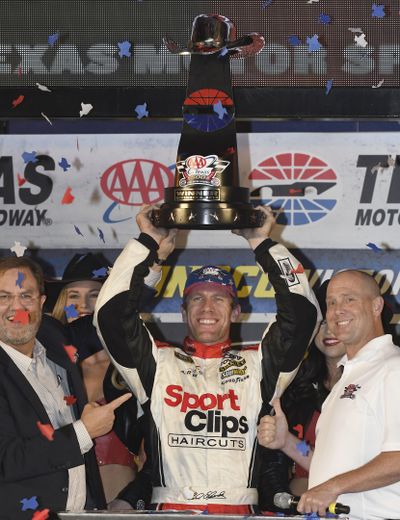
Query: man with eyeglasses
{"x": 46, "y": 425}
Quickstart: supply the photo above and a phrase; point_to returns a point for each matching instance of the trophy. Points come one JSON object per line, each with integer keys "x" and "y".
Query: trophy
{"x": 206, "y": 193}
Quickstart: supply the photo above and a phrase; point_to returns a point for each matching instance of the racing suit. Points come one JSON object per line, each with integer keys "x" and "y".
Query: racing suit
{"x": 203, "y": 402}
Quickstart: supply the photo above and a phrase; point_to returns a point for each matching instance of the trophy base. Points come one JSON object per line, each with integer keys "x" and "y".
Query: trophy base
{"x": 207, "y": 216}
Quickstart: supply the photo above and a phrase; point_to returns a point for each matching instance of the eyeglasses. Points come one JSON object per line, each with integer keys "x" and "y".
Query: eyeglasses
{"x": 26, "y": 299}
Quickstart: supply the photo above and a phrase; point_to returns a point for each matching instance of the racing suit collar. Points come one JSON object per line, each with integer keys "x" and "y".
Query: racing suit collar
{"x": 195, "y": 348}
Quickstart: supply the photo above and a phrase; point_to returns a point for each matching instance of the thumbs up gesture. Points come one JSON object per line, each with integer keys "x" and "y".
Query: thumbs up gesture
{"x": 273, "y": 432}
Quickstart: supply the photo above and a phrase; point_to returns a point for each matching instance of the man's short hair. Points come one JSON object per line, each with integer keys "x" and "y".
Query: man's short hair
{"x": 23, "y": 262}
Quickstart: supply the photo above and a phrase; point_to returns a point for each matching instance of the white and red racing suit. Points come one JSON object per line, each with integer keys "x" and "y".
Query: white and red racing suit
{"x": 204, "y": 402}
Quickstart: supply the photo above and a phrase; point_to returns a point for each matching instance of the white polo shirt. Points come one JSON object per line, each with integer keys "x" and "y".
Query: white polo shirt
{"x": 360, "y": 419}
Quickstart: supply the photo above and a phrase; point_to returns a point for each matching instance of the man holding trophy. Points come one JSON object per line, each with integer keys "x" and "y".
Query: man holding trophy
{"x": 203, "y": 397}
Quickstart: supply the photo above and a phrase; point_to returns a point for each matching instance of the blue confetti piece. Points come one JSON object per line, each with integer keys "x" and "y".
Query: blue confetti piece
{"x": 303, "y": 448}
{"x": 29, "y": 157}
{"x": 64, "y": 164}
{"x": 78, "y": 230}
{"x": 220, "y": 110}
{"x": 98, "y": 273}
{"x": 70, "y": 311}
{"x": 52, "y": 39}
{"x": 266, "y": 3}
{"x": 20, "y": 279}
{"x": 294, "y": 40}
{"x": 374, "y": 247}
{"x": 313, "y": 516}
{"x": 324, "y": 18}
{"x": 223, "y": 52}
{"x": 124, "y": 49}
{"x": 328, "y": 86}
{"x": 29, "y": 503}
{"x": 378, "y": 11}
{"x": 141, "y": 111}
{"x": 313, "y": 43}
{"x": 101, "y": 235}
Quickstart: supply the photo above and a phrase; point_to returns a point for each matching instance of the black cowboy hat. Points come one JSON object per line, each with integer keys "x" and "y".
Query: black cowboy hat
{"x": 88, "y": 266}
{"x": 211, "y": 33}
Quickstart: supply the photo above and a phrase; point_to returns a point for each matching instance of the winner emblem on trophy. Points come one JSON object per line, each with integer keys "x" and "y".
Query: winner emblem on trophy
{"x": 206, "y": 194}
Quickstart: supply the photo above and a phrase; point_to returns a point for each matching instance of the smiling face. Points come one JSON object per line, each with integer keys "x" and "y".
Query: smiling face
{"x": 83, "y": 296}
{"x": 332, "y": 348}
{"x": 25, "y": 301}
{"x": 353, "y": 309}
{"x": 209, "y": 313}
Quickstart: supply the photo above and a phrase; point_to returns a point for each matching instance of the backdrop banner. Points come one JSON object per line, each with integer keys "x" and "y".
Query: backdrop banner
{"x": 332, "y": 190}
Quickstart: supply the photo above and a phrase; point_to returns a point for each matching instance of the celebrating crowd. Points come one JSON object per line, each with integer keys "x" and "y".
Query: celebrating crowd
{"x": 96, "y": 413}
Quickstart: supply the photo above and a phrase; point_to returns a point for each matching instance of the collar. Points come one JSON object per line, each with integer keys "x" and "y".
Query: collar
{"x": 195, "y": 348}
{"x": 374, "y": 349}
{"x": 23, "y": 361}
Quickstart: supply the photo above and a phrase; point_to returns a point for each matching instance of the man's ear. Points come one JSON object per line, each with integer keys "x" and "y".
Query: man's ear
{"x": 377, "y": 305}
{"x": 42, "y": 300}
{"x": 184, "y": 314}
{"x": 235, "y": 313}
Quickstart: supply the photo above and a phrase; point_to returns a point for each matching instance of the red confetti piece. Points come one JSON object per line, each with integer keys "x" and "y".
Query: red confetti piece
{"x": 299, "y": 270}
{"x": 71, "y": 351}
{"x": 293, "y": 191}
{"x": 299, "y": 429}
{"x": 68, "y": 198}
{"x": 46, "y": 430}
{"x": 41, "y": 515}
{"x": 17, "y": 101}
{"x": 21, "y": 180}
{"x": 70, "y": 399}
{"x": 21, "y": 316}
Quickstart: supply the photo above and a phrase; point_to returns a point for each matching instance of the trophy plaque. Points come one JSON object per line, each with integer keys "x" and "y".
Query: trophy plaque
{"x": 206, "y": 193}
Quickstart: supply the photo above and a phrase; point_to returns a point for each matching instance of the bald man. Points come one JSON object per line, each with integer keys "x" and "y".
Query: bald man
{"x": 357, "y": 453}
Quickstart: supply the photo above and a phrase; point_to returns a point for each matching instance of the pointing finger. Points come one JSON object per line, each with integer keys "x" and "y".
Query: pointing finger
{"x": 119, "y": 400}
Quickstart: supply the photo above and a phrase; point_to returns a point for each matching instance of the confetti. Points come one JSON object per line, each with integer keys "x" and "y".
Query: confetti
{"x": 303, "y": 448}
{"x": 324, "y": 19}
{"x": 29, "y": 157}
{"x": 43, "y": 88}
{"x": 97, "y": 273}
{"x": 298, "y": 270}
{"x": 141, "y": 111}
{"x": 373, "y": 247}
{"x": 20, "y": 279}
{"x": 41, "y": 515}
{"x": 21, "y": 180}
{"x": 68, "y": 198}
{"x": 70, "y": 399}
{"x": 223, "y": 52}
{"x": 361, "y": 41}
{"x": 312, "y": 1}
{"x": 355, "y": 29}
{"x": 101, "y": 235}
{"x": 70, "y": 311}
{"x": 17, "y": 101}
{"x": 312, "y": 516}
{"x": 124, "y": 49}
{"x": 79, "y": 232}
{"x": 64, "y": 164}
{"x": 294, "y": 40}
{"x": 299, "y": 429}
{"x": 86, "y": 108}
{"x": 46, "y": 430}
{"x": 29, "y": 503}
{"x": 266, "y": 3}
{"x": 52, "y": 39}
{"x": 21, "y": 316}
{"x": 328, "y": 86}
{"x": 220, "y": 110}
{"x": 45, "y": 117}
{"x": 18, "y": 249}
{"x": 313, "y": 43}
{"x": 72, "y": 352}
{"x": 378, "y": 11}
{"x": 379, "y": 84}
